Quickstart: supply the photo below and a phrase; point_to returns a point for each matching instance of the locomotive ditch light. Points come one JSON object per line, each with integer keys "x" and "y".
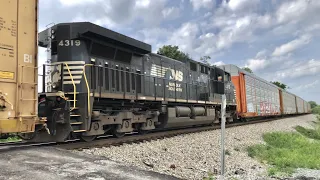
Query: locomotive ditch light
{"x": 55, "y": 85}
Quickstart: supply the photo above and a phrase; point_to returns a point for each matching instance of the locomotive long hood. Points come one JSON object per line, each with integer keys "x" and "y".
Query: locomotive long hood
{"x": 80, "y": 30}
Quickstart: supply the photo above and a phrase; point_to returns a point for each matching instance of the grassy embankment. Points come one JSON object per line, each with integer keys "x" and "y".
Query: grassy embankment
{"x": 286, "y": 151}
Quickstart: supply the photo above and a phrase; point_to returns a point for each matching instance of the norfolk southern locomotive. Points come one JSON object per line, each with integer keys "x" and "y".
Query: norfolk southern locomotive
{"x": 101, "y": 82}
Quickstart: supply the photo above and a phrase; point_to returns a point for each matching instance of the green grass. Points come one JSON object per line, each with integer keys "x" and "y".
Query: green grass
{"x": 286, "y": 152}
{"x": 10, "y": 139}
{"x": 210, "y": 177}
{"x": 310, "y": 133}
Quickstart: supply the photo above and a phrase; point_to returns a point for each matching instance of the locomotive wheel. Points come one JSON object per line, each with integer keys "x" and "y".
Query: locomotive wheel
{"x": 142, "y": 132}
{"x": 117, "y": 134}
{"x": 88, "y": 138}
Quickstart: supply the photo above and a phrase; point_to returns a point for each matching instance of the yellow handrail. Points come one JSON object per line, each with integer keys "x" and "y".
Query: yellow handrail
{"x": 74, "y": 87}
{"x": 88, "y": 88}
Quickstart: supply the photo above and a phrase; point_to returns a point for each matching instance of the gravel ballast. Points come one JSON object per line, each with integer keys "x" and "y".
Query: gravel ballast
{"x": 193, "y": 156}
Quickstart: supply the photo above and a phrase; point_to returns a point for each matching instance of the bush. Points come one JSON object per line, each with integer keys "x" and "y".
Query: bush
{"x": 316, "y": 110}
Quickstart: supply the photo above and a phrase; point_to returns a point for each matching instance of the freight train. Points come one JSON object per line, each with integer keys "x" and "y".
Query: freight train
{"x": 100, "y": 82}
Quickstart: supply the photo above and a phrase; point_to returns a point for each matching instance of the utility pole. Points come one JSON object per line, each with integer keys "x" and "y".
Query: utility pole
{"x": 223, "y": 127}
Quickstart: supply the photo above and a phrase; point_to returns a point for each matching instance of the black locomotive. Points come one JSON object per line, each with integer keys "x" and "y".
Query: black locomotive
{"x": 101, "y": 82}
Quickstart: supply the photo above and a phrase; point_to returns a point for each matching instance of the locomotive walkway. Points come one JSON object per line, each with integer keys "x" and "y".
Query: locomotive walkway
{"x": 53, "y": 164}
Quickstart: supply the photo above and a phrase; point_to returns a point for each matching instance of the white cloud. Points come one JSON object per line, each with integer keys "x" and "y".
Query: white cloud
{"x": 298, "y": 10}
{"x": 118, "y": 14}
{"x": 237, "y": 31}
{"x": 206, "y": 44}
{"x": 142, "y": 3}
{"x": 239, "y": 5}
{"x": 307, "y": 86}
{"x": 218, "y": 63}
{"x": 76, "y": 2}
{"x": 256, "y": 64}
{"x": 240, "y": 21}
{"x": 185, "y": 37}
{"x": 208, "y": 14}
{"x": 234, "y": 28}
{"x": 292, "y": 45}
{"x": 154, "y": 36}
{"x": 197, "y": 4}
{"x": 262, "y": 53}
{"x": 311, "y": 67}
{"x": 170, "y": 13}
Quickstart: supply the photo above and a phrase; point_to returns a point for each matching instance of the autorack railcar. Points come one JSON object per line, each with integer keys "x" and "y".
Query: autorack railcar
{"x": 257, "y": 97}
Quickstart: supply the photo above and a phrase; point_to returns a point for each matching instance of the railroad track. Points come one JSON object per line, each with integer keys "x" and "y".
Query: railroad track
{"x": 136, "y": 138}
{"x": 106, "y": 141}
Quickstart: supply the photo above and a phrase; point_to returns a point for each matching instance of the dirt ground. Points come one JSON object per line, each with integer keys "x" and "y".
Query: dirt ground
{"x": 54, "y": 164}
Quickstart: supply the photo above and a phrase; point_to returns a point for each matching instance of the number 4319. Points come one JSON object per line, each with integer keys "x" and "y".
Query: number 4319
{"x": 69, "y": 43}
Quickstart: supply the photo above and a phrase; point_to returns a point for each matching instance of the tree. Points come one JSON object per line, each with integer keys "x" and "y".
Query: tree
{"x": 281, "y": 85}
{"x": 205, "y": 59}
{"x": 316, "y": 110}
{"x": 173, "y": 52}
{"x": 247, "y": 69}
{"x": 313, "y": 104}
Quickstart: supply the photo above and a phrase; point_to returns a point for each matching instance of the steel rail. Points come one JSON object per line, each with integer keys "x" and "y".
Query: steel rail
{"x": 137, "y": 138}
{"x": 106, "y": 141}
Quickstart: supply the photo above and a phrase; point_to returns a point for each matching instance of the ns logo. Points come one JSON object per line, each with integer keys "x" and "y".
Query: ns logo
{"x": 165, "y": 72}
{"x": 175, "y": 75}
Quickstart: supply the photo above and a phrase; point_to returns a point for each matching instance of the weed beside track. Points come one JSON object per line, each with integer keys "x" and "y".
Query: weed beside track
{"x": 287, "y": 151}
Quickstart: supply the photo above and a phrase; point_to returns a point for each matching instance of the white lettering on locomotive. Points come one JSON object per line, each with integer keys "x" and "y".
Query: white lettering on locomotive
{"x": 162, "y": 72}
{"x": 170, "y": 74}
{"x": 69, "y": 43}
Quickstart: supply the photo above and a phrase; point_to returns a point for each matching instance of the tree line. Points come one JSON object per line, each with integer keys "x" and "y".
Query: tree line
{"x": 315, "y": 107}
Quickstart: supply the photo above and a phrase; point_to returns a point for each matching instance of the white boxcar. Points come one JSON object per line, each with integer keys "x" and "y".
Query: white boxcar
{"x": 306, "y": 106}
{"x": 261, "y": 97}
{"x": 289, "y": 103}
{"x": 300, "y": 105}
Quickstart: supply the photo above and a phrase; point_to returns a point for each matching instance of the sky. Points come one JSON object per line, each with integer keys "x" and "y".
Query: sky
{"x": 278, "y": 40}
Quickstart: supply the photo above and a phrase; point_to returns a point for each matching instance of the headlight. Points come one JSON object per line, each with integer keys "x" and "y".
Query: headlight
{"x": 55, "y": 85}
